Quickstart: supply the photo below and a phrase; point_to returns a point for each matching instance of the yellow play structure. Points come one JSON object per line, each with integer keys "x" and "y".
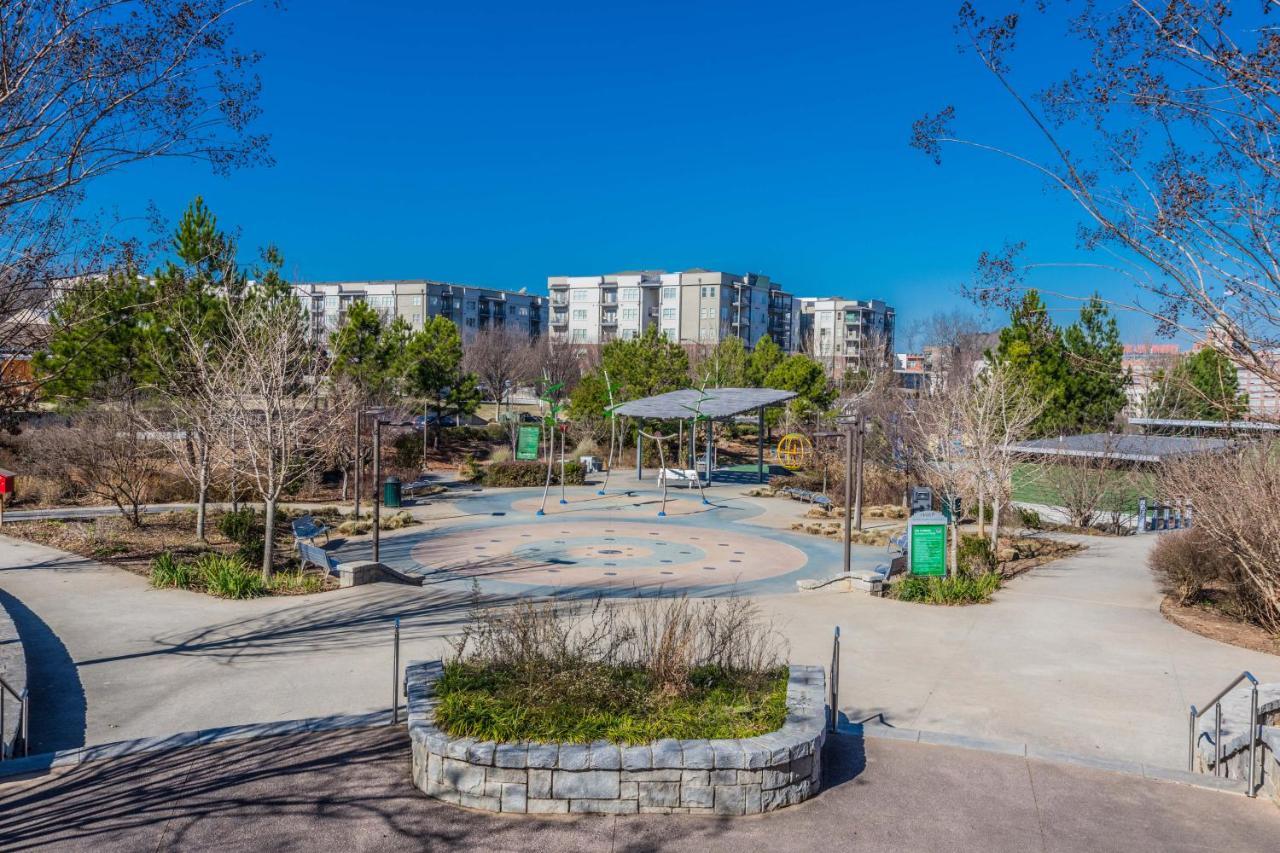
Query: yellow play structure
{"x": 794, "y": 451}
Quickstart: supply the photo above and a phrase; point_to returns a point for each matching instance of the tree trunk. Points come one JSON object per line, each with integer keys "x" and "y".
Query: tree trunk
{"x": 202, "y": 497}
{"x": 955, "y": 544}
{"x": 995, "y": 524}
{"x": 344, "y": 484}
{"x": 269, "y": 539}
{"x": 982, "y": 510}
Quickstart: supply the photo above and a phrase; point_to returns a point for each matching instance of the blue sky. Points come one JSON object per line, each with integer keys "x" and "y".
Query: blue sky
{"x": 498, "y": 143}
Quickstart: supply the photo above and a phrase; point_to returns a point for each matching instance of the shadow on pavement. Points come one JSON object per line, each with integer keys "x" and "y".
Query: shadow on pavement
{"x": 57, "y": 698}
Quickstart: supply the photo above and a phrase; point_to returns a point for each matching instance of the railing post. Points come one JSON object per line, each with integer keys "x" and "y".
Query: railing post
{"x": 1217, "y": 738}
{"x": 395, "y": 676}
{"x": 835, "y": 680}
{"x": 1253, "y": 736}
{"x": 1191, "y": 742}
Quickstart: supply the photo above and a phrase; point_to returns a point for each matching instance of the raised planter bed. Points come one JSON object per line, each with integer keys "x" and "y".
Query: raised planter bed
{"x": 725, "y": 777}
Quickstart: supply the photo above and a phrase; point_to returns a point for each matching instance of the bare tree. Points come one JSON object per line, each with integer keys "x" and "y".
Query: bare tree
{"x": 88, "y": 88}
{"x": 998, "y": 413}
{"x": 106, "y": 453}
{"x": 940, "y": 449}
{"x": 502, "y": 358}
{"x": 1179, "y": 189}
{"x": 1091, "y": 487}
{"x": 272, "y": 378}
{"x": 560, "y": 362}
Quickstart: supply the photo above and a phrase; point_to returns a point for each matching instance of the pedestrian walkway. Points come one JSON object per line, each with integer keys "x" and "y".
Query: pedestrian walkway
{"x": 351, "y": 790}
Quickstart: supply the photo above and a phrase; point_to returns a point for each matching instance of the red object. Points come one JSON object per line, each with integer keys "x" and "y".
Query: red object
{"x": 7, "y": 480}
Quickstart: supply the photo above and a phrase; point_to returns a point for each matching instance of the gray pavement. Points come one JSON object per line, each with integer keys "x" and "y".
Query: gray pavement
{"x": 351, "y": 790}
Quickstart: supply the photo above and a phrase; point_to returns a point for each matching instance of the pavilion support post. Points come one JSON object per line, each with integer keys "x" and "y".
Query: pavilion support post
{"x": 639, "y": 454}
{"x": 708, "y": 451}
{"x": 760, "y": 442}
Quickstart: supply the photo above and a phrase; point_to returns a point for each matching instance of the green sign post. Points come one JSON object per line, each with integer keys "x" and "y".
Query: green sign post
{"x": 927, "y": 544}
{"x": 527, "y": 442}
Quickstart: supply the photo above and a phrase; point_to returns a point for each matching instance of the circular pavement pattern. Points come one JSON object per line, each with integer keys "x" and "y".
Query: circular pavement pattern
{"x": 679, "y": 502}
{"x": 607, "y": 554}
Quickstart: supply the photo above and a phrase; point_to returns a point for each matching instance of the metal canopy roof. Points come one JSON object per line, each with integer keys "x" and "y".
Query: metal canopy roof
{"x": 718, "y": 403}
{"x": 1176, "y": 423}
{"x": 1129, "y": 448}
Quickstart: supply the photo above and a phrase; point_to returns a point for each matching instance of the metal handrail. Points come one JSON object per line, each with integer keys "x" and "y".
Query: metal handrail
{"x": 835, "y": 680}
{"x": 1216, "y": 702}
{"x": 23, "y": 706}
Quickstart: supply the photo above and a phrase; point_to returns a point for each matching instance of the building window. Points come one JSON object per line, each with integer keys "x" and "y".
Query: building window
{"x": 668, "y": 313}
{"x": 629, "y": 294}
{"x": 471, "y": 305}
{"x": 417, "y": 301}
{"x": 522, "y": 311}
{"x": 331, "y": 304}
{"x": 580, "y": 335}
{"x": 580, "y": 294}
{"x": 417, "y": 319}
{"x": 669, "y": 292}
{"x": 631, "y": 313}
{"x": 579, "y": 313}
{"x": 628, "y": 334}
{"x": 669, "y": 332}
{"x": 471, "y": 322}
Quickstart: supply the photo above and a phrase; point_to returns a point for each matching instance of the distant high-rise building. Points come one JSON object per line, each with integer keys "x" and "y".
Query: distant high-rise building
{"x": 844, "y": 334}
{"x": 1144, "y": 362}
{"x": 695, "y": 306}
{"x": 417, "y": 300}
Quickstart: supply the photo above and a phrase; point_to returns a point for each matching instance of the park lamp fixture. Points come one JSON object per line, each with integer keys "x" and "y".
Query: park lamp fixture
{"x": 378, "y": 424}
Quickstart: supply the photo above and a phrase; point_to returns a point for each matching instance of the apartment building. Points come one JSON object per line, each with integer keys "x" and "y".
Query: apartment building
{"x": 417, "y": 300}
{"x": 1145, "y": 362}
{"x": 845, "y": 333}
{"x": 695, "y": 306}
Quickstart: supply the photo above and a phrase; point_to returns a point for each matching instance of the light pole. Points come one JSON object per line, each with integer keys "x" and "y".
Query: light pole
{"x": 377, "y": 475}
{"x": 358, "y": 465}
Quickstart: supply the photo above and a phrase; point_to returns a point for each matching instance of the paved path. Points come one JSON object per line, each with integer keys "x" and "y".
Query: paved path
{"x": 351, "y": 791}
{"x": 1073, "y": 656}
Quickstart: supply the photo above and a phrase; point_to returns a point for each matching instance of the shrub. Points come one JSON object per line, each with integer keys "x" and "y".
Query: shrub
{"x": 496, "y": 432}
{"x": 974, "y": 555}
{"x": 1029, "y": 518}
{"x": 286, "y": 582}
{"x": 240, "y": 526}
{"x": 500, "y": 454}
{"x": 228, "y": 577}
{"x": 168, "y": 571}
{"x": 662, "y": 668}
{"x": 961, "y": 589}
{"x": 354, "y": 528}
{"x": 468, "y": 470}
{"x": 1186, "y": 561}
{"x": 529, "y": 473}
{"x": 397, "y": 520}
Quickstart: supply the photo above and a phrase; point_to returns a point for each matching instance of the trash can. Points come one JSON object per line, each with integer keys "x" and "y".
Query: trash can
{"x": 392, "y": 495}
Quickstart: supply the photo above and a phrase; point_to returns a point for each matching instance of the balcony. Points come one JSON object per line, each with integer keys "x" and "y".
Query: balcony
{"x": 560, "y": 319}
{"x": 609, "y": 320}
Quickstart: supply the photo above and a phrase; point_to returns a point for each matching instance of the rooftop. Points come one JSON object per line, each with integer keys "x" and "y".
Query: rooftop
{"x": 1128, "y": 448}
{"x": 717, "y": 403}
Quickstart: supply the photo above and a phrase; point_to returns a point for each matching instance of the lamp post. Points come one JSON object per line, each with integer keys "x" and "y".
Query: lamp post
{"x": 377, "y": 476}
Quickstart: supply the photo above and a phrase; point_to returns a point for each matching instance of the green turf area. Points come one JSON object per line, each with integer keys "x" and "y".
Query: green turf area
{"x": 614, "y": 703}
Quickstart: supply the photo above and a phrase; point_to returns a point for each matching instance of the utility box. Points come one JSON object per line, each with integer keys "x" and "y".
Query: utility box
{"x": 392, "y": 492}
{"x": 8, "y": 483}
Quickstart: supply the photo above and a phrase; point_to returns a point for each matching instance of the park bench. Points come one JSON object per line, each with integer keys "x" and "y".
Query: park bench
{"x": 308, "y": 528}
{"x": 352, "y": 573}
{"x": 418, "y": 485}
{"x": 806, "y": 495}
{"x": 680, "y": 475}
{"x": 899, "y": 542}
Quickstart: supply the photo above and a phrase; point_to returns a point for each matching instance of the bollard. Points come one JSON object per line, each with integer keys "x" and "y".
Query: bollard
{"x": 835, "y": 680}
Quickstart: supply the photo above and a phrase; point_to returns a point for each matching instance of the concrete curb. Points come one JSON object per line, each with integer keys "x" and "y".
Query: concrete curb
{"x": 35, "y": 764}
{"x": 1051, "y": 756}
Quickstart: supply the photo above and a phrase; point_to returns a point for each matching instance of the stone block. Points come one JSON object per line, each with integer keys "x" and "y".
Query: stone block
{"x": 755, "y": 755}
{"x": 775, "y": 799}
{"x": 753, "y": 795}
{"x": 728, "y": 754}
{"x": 533, "y": 806}
{"x": 511, "y": 755}
{"x": 629, "y": 790}
{"x": 652, "y": 775}
{"x": 574, "y": 756}
{"x": 507, "y": 775}
{"x": 750, "y": 777}
{"x": 463, "y": 777}
{"x": 724, "y": 777}
{"x": 730, "y": 800}
{"x": 663, "y": 810}
{"x": 540, "y": 784}
{"x": 667, "y": 754}
{"x": 585, "y": 784}
{"x": 636, "y": 758}
{"x": 603, "y": 806}
{"x": 605, "y": 756}
{"x": 443, "y": 792}
{"x": 802, "y": 768}
{"x": 480, "y": 801}
{"x": 775, "y": 777}
{"x": 696, "y": 796}
{"x": 515, "y": 798}
{"x": 543, "y": 755}
{"x": 481, "y": 752}
{"x": 457, "y": 748}
{"x": 697, "y": 754}
{"x": 707, "y": 810}
{"x": 695, "y": 777}
{"x": 666, "y": 794}
{"x": 435, "y": 766}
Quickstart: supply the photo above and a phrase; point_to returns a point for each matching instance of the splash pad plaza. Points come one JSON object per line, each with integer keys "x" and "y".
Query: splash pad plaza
{"x": 665, "y": 527}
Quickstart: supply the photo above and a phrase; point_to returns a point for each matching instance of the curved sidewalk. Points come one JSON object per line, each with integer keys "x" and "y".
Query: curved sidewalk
{"x": 351, "y": 790}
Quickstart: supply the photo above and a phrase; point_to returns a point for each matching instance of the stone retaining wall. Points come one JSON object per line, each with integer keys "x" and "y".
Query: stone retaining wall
{"x": 725, "y": 777}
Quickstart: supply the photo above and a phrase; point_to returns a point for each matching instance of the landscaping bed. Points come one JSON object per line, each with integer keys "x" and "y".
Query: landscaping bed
{"x": 1208, "y": 619}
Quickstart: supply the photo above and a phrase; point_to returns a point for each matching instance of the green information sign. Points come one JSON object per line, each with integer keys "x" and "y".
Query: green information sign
{"x": 927, "y": 547}
{"x": 527, "y": 442}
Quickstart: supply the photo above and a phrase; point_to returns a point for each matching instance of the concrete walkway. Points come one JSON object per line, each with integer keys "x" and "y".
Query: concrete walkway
{"x": 1073, "y": 656}
{"x": 351, "y": 791}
